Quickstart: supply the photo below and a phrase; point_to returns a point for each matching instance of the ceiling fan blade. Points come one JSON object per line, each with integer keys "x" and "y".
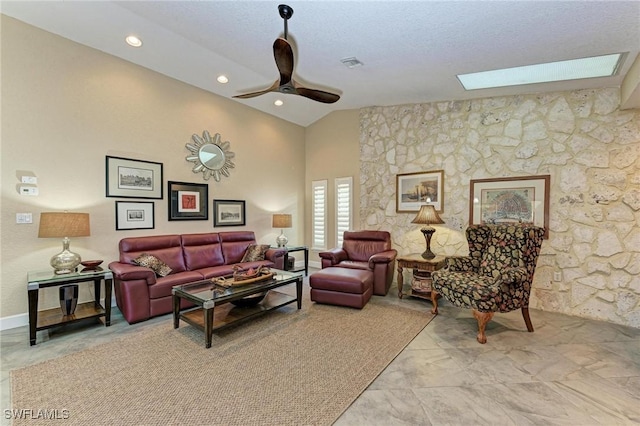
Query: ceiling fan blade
{"x": 283, "y": 54}
{"x": 318, "y": 95}
{"x": 273, "y": 88}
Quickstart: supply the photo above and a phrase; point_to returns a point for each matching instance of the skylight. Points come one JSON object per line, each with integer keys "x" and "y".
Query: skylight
{"x": 597, "y": 66}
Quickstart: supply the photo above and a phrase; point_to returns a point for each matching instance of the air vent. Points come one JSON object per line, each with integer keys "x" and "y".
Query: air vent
{"x": 351, "y": 62}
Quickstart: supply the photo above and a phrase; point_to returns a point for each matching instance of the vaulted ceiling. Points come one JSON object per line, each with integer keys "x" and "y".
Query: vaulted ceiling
{"x": 411, "y": 50}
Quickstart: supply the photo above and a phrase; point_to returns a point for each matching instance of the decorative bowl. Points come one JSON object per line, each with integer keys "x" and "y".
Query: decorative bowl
{"x": 91, "y": 264}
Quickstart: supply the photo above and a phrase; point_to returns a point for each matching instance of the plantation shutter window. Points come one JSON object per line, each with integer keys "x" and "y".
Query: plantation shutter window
{"x": 344, "y": 207}
{"x": 319, "y": 220}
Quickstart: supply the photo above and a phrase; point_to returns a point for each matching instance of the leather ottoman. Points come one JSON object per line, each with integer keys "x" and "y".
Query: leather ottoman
{"x": 341, "y": 286}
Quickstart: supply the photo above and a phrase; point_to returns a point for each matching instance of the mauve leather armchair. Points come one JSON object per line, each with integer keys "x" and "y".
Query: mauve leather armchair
{"x": 366, "y": 250}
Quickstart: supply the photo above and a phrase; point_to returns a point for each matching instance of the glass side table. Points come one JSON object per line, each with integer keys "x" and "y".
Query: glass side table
{"x": 290, "y": 249}
{"x": 42, "y": 320}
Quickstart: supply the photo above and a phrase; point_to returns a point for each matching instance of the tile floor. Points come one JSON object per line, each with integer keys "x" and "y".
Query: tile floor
{"x": 570, "y": 371}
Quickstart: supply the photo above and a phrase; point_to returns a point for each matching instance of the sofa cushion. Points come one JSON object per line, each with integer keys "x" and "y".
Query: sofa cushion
{"x": 156, "y": 265}
{"x": 234, "y": 245}
{"x": 202, "y": 250}
{"x": 255, "y": 252}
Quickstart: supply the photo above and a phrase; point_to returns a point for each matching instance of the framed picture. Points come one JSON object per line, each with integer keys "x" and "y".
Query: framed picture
{"x": 511, "y": 199}
{"x": 128, "y": 178}
{"x": 188, "y": 201}
{"x": 228, "y": 213}
{"x": 134, "y": 215}
{"x": 417, "y": 189}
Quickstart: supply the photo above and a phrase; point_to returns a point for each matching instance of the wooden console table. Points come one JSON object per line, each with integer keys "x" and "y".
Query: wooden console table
{"x": 42, "y": 320}
{"x": 424, "y": 266}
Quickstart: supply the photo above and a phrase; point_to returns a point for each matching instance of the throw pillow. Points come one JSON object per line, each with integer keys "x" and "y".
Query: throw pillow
{"x": 156, "y": 265}
{"x": 255, "y": 252}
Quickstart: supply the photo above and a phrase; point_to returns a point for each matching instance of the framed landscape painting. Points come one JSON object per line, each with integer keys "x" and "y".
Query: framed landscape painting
{"x": 229, "y": 213}
{"x": 414, "y": 190}
{"x": 127, "y": 178}
{"x": 188, "y": 201}
{"x": 511, "y": 200}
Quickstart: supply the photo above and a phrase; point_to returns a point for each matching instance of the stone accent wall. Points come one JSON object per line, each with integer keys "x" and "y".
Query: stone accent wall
{"x": 581, "y": 139}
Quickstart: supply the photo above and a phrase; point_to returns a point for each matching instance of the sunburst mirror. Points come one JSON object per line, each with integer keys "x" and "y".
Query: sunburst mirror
{"x": 210, "y": 155}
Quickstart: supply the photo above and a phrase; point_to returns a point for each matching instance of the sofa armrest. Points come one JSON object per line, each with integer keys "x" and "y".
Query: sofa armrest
{"x": 462, "y": 264}
{"x": 335, "y": 255}
{"x": 128, "y": 272}
{"x": 383, "y": 257}
{"x": 274, "y": 253}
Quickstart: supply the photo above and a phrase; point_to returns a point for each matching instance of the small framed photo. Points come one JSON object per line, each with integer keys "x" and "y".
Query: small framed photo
{"x": 229, "y": 213}
{"x": 134, "y": 215}
{"x": 414, "y": 190}
{"x": 188, "y": 201}
{"x": 127, "y": 178}
{"x": 511, "y": 200}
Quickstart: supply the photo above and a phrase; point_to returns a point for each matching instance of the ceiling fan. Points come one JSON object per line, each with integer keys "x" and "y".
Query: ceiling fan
{"x": 283, "y": 55}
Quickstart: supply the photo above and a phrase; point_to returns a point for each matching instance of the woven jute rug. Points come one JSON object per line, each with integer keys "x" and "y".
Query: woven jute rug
{"x": 288, "y": 367}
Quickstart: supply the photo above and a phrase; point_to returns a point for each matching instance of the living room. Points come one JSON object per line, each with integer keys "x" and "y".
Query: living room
{"x": 69, "y": 106}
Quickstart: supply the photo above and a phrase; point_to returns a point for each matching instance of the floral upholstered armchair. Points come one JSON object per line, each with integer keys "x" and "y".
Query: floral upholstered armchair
{"x": 497, "y": 274}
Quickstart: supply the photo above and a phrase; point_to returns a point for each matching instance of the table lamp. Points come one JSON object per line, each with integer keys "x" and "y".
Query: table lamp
{"x": 282, "y": 221}
{"x": 427, "y": 216}
{"x": 64, "y": 225}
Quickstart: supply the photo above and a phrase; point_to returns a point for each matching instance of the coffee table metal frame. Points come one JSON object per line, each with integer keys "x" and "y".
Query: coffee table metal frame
{"x": 206, "y": 296}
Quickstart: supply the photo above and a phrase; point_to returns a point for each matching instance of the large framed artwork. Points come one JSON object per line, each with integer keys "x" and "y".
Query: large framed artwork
{"x": 511, "y": 199}
{"x": 188, "y": 201}
{"x": 127, "y": 178}
{"x": 229, "y": 213}
{"x": 134, "y": 215}
{"x": 414, "y": 190}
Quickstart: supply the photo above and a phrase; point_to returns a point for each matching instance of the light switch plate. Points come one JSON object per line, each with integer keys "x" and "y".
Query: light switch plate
{"x": 30, "y": 180}
{"x": 24, "y": 218}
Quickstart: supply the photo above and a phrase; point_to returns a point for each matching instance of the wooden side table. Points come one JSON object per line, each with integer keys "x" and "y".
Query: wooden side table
{"x": 423, "y": 267}
{"x": 42, "y": 320}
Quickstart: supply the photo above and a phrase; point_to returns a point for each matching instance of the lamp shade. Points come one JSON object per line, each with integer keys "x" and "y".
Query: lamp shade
{"x": 282, "y": 221}
{"x": 427, "y": 216}
{"x": 60, "y": 225}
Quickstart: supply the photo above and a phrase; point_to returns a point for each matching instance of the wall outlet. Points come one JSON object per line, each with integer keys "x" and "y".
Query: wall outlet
{"x": 557, "y": 276}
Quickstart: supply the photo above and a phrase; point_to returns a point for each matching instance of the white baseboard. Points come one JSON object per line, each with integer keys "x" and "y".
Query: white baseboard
{"x": 19, "y": 320}
{"x": 14, "y": 321}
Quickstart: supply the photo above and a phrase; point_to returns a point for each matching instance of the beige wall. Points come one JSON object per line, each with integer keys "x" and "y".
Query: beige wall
{"x": 332, "y": 152}
{"x": 66, "y": 106}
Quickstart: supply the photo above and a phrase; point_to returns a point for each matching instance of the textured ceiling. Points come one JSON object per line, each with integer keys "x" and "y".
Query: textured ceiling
{"x": 411, "y": 51}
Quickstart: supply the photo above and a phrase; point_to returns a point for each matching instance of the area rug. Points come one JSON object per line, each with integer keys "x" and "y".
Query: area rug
{"x": 288, "y": 367}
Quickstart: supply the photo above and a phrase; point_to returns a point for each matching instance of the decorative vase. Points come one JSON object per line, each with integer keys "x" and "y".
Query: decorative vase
{"x": 68, "y": 299}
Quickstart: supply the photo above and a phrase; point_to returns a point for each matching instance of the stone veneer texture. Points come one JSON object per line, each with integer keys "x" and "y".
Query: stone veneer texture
{"x": 590, "y": 149}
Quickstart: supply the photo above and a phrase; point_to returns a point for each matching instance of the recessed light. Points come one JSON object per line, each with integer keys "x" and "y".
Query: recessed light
{"x": 278, "y": 102}
{"x": 133, "y": 41}
{"x": 574, "y": 69}
{"x": 222, "y": 79}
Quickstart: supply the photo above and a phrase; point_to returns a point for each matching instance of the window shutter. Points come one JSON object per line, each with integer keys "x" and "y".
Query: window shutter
{"x": 319, "y": 222}
{"x": 344, "y": 207}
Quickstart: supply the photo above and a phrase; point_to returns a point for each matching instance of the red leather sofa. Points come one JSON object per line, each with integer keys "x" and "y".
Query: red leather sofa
{"x": 368, "y": 251}
{"x": 141, "y": 294}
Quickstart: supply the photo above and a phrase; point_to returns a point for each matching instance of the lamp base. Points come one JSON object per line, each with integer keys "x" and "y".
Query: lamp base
{"x": 66, "y": 261}
{"x": 282, "y": 239}
{"x": 428, "y": 233}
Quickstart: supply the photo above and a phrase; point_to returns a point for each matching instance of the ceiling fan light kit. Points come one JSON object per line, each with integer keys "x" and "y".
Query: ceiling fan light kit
{"x": 283, "y": 54}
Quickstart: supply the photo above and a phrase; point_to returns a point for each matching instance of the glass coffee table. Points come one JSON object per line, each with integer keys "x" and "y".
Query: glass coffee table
{"x": 231, "y": 304}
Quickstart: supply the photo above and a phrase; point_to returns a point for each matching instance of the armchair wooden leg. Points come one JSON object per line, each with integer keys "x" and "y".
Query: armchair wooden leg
{"x": 527, "y": 320}
{"x": 483, "y": 318}
{"x": 434, "y": 301}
